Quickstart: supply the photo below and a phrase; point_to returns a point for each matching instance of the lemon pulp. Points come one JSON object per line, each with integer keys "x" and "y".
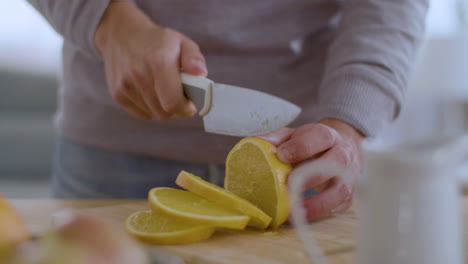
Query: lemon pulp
{"x": 224, "y": 197}
{"x": 255, "y": 173}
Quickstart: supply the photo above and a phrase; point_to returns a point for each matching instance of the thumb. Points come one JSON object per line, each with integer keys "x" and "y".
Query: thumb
{"x": 191, "y": 58}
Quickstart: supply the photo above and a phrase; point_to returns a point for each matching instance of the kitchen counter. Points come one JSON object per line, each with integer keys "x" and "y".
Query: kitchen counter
{"x": 336, "y": 235}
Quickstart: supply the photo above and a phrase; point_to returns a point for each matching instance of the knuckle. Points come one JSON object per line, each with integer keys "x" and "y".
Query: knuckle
{"x": 343, "y": 157}
{"x": 288, "y": 153}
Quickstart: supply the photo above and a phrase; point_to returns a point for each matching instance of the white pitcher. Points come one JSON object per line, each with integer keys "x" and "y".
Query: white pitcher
{"x": 409, "y": 203}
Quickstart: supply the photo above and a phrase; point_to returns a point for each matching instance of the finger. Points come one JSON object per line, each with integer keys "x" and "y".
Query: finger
{"x": 144, "y": 81}
{"x": 306, "y": 142}
{"x": 191, "y": 58}
{"x": 128, "y": 105}
{"x": 279, "y": 136}
{"x": 336, "y": 197}
{"x": 168, "y": 86}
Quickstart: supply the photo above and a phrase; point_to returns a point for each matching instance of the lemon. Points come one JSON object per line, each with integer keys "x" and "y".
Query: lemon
{"x": 190, "y": 207}
{"x": 162, "y": 230}
{"x": 222, "y": 196}
{"x": 254, "y": 173}
{"x": 12, "y": 228}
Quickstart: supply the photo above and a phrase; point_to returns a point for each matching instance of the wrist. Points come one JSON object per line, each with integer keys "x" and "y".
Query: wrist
{"x": 120, "y": 18}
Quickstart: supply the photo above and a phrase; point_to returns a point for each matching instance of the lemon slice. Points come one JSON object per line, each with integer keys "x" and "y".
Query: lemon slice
{"x": 190, "y": 207}
{"x": 224, "y": 197}
{"x": 254, "y": 173}
{"x": 12, "y": 228}
{"x": 162, "y": 230}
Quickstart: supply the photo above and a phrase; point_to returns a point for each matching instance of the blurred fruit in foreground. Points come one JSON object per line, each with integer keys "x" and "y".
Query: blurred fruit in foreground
{"x": 12, "y": 228}
{"x": 79, "y": 239}
{"x": 94, "y": 240}
{"x": 162, "y": 230}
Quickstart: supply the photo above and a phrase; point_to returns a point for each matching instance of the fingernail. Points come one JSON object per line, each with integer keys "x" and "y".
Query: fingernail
{"x": 199, "y": 64}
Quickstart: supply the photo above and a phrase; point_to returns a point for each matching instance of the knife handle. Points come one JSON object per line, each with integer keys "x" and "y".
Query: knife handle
{"x": 199, "y": 89}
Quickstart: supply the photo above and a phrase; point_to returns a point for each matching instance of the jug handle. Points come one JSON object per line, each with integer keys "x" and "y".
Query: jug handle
{"x": 297, "y": 179}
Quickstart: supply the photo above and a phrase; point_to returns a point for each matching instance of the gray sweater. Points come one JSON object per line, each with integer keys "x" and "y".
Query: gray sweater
{"x": 348, "y": 60}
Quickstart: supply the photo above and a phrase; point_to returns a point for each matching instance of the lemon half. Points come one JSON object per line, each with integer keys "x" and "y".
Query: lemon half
{"x": 254, "y": 173}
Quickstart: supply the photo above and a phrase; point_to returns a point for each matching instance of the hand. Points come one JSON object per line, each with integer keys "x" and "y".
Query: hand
{"x": 143, "y": 62}
{"x": 330, "y": 140}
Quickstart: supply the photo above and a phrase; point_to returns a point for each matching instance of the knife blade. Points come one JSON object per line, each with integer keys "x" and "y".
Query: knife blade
{"x": 236, "y": 111}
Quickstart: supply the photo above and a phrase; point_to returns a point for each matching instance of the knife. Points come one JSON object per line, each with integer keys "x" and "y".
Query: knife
{"x": 236, "y": 111}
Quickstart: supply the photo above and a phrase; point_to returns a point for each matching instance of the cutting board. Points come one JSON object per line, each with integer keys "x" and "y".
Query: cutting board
{"x": 335, "y": 235}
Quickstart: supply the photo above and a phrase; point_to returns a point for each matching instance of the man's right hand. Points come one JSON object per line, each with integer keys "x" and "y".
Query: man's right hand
{"x": 143, "y": 62}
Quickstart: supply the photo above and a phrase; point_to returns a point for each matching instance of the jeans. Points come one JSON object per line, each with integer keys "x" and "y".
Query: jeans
{"x": 84, "y": 172}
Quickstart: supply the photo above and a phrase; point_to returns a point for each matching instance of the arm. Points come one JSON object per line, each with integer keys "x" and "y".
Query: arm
{"x": 364, "y": 82}
{"x": 75, "y": 20}
{"x": 142, "y": 60}
{"x": 370, "y": 60}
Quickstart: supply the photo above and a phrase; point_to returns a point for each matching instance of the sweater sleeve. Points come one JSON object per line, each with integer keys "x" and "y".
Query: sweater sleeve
{"x": 75, "y": 20}
{"x": 369, "y": 62}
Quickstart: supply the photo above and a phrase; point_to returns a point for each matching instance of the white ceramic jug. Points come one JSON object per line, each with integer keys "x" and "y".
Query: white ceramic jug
{"x": 409, "y": 203}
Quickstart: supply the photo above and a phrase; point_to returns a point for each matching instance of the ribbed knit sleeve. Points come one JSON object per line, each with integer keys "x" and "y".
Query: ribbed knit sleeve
{"x": 75, "y": 20}
{"x": 369, "y": 62}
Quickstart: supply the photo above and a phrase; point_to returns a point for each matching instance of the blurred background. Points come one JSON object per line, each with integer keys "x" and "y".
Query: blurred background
{"x": 30, "y": 70}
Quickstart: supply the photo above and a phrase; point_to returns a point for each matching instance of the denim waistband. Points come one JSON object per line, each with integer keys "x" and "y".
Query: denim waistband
{"x": 81, "y": 171}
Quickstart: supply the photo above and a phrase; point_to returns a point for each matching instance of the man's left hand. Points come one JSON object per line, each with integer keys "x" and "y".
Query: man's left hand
{"x": 331, "y": 140}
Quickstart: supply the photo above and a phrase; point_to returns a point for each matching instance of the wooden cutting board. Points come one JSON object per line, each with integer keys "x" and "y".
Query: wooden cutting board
{"x": 335, "y": 235}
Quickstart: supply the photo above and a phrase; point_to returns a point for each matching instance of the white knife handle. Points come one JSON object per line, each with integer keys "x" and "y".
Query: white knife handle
{"x": 199, "y": 89}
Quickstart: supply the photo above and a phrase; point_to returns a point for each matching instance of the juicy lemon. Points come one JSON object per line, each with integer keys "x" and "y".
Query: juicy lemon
{"x": 158, "y": 229}
{"x": 254, "y": 173}
{"x": 12, "y": 228}
{"x": 224, "y": 197}
{"x": 190, "y": 207}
